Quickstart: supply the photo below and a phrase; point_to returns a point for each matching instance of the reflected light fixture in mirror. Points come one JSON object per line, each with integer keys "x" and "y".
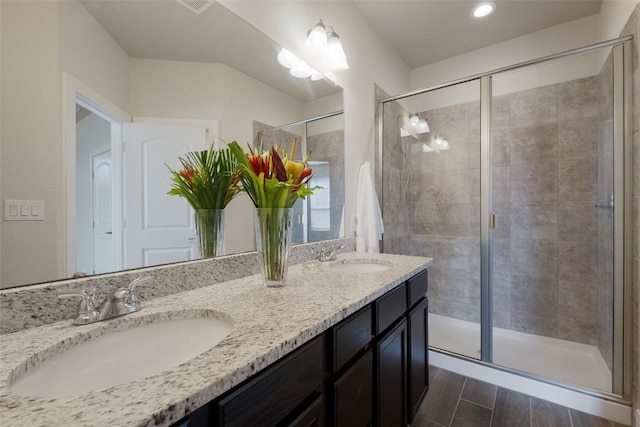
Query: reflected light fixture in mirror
{"x": 414, "y": 126}
{"x": 297, "y": 67}
{"x": 440, "y": 144}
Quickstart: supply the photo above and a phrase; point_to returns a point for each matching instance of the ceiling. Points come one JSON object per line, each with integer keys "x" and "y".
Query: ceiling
{"x": 422, "y": 31}
{"x": 427, "y": 31}
{"x": 172, "y": 32}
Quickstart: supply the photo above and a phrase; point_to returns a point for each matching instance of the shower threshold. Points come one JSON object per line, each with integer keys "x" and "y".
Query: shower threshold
{"x": 559, "y": 360}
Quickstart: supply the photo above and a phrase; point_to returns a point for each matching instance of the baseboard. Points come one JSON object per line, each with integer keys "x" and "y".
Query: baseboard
{"x": 570, "y": 398}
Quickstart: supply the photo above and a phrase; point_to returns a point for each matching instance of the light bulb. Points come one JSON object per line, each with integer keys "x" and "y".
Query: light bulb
{"x": 301, "y": 70}
{"x": 445, "y": 145}
{"x": 423, "y": 126}
{"x": 414, "y": 121}
{"x": 426, "y": 148}
{"x": 286, "y": 58}
{"x": 483, "y": 10}
{"x": 337, "y": 59}
{"x": 316, "y": 75}
{"x": 317, "y": 37}
{"x": 438, "y": 143}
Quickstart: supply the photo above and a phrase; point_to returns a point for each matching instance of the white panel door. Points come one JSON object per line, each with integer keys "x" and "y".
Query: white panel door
{"x": 159, "y": 228}
{"x": 101, "y": 209}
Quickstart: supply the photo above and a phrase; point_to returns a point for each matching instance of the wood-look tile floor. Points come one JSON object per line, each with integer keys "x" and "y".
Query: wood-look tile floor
{"x": 457, "y": 401}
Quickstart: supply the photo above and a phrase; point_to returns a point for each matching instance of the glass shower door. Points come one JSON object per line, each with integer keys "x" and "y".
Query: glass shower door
{"x": 431, "y": 204}
{"x": 552, "y": 168}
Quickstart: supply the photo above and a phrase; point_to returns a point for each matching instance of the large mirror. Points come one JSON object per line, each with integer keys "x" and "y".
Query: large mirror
{"x": 82, "y": 80}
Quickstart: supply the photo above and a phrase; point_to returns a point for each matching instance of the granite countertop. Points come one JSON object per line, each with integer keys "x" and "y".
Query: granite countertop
{"x": 267, "y": 324}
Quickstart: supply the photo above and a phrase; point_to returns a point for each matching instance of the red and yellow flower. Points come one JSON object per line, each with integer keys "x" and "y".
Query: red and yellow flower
{"x": 272, "y": 180}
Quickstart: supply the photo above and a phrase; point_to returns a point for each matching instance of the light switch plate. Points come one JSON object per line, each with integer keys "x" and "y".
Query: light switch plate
{"x": 24, "y": 210}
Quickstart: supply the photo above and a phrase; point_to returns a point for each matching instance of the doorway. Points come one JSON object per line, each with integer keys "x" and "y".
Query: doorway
{"x": 94, "y": 192}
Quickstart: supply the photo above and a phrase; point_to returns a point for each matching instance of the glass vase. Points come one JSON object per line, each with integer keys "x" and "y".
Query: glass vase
{"x": 210, "y": 232}
{"x": 273, "y": 241}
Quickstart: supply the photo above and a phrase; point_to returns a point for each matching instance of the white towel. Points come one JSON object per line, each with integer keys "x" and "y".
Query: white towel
{"x": 369, "y": 227}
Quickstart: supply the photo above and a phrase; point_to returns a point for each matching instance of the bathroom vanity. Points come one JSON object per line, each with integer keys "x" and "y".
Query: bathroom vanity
{"x": 333, "y": 347}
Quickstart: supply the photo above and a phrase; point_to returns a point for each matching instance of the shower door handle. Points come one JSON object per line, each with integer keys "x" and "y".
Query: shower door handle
{"x": 605, "y": 205}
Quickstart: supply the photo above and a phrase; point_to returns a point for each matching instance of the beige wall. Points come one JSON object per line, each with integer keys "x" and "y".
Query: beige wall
{"x": 33, "y": 59}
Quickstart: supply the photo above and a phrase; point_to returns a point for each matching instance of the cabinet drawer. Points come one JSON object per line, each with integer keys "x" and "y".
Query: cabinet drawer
{"x": 390, "y": 307}
{"x": 277, "y": 392}
{"x": 416, "y": 288}
{"x": 350, "y": 336}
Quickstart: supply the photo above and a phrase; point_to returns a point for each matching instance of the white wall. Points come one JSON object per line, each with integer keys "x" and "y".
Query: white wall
{"x": 327, "y": 104}
{"x": 30, "y": 161}
{"x": 31, "y": 140}
{"x": 371, "y": 58}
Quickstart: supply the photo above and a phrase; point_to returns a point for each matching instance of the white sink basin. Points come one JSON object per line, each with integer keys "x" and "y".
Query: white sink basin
{"x": 122, "y": 357}
{"x": 361, "y": 265}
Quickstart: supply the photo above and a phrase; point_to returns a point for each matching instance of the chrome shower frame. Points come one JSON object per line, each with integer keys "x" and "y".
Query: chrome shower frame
{"x": 623, "y": 178}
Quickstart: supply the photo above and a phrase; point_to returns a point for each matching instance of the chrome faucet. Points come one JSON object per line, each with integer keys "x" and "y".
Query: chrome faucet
{"x": 329, "y": 254}
{"x": 122, "y": 301}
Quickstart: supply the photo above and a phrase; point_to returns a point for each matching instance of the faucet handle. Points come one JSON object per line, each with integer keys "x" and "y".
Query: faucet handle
{"x": 87, "y": 312}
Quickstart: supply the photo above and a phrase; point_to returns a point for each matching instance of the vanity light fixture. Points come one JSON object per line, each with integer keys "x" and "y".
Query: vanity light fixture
{"x": 323, "y": 41}
{"x": 483, "y": 9}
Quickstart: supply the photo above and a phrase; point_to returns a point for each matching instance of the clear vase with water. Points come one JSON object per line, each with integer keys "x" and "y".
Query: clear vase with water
{"x": 273, "y": 240}
{"x": 210, "y": 232}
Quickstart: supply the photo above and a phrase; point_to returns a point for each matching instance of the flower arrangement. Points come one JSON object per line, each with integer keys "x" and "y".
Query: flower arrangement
{"x": 208, "y": 179}
{"x": 272, "y": 180}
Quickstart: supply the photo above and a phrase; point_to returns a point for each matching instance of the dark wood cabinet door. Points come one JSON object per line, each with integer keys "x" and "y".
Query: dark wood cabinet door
{"x": 418, "y": 356}
{"x": 312, "y": 416}
{"x": 391, "y": 384}
{"x": 353, "y": 394}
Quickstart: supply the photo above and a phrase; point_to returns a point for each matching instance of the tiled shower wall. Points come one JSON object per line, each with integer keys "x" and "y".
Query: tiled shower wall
{"x": 545, "y": 172}
{"x": 329, "y": 147}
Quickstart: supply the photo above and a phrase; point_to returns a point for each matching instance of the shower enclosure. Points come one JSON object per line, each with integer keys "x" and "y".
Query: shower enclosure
{"x": 515, "y": 186}
{"x": 316, "y": 218}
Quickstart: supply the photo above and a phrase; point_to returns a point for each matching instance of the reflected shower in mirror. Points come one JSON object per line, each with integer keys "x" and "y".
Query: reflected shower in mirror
{"x": 319, "y": 217}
